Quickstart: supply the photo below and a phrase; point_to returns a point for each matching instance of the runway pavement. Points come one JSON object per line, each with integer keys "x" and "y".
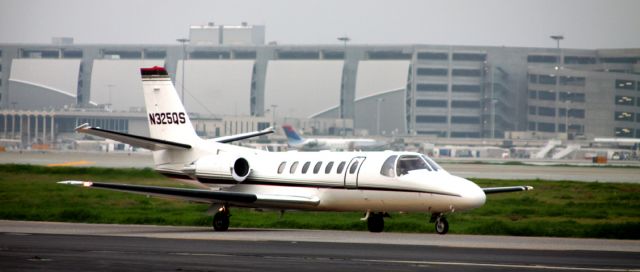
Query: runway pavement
{"x": 81, "y": 247}
{"x": 467, "y": 170}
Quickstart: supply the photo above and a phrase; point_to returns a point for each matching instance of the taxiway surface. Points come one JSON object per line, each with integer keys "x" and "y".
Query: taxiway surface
{"x": 65, "y": 247}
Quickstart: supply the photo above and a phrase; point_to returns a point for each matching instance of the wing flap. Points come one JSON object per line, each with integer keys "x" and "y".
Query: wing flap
{"x": 495, "y": 190}
{"x": 134, "y": 140}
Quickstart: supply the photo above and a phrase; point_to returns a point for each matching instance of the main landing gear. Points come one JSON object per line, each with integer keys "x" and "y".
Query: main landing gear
{"x": 221, "y": 219}
{"x": 441, "y": 223}
{"x": 375, "y": 221}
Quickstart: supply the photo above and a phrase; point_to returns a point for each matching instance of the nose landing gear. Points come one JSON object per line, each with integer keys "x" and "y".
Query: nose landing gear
{"x": 441, "y": 223}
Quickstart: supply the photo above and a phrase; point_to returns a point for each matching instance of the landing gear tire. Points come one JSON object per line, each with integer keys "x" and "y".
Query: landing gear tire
{"x": 375, "y": 222}
{"x": 442, "y": 225}
{"x": 221, "y": 221}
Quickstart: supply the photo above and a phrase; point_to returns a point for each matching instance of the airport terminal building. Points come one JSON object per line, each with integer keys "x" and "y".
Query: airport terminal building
{"x": 233, "y": 82}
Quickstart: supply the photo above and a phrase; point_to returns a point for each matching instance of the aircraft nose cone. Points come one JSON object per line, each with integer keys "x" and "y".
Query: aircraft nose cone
{"x": 473, "y": 196}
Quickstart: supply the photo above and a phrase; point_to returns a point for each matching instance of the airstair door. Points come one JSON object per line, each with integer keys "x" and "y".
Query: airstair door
{"x": 352, "y": 171}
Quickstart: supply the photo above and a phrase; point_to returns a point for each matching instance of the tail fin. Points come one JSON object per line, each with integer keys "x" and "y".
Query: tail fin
{"x": 167, "y": 117}
{"x": 292, "y": 135}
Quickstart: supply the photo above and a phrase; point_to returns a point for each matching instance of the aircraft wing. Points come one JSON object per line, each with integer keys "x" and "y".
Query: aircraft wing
{"x": 495, "y": 190}
{"x": 134, "y": 140}
{"x": 202, "y": 195}
{"x": 237, "y": 137}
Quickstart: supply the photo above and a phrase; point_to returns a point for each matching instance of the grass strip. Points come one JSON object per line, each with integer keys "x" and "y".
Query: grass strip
{"x": 554, "y": 208}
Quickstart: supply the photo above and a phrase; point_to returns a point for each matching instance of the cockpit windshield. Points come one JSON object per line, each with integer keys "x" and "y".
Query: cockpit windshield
{"x": 432, "y": 163}
{"x": 409, "y": 163}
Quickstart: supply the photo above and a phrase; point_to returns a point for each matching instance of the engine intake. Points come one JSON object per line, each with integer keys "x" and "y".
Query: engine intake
{"x": 240, "y": 170}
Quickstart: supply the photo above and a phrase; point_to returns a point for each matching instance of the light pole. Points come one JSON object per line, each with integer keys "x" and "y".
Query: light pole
{"x": 493, "y": 117}
{"x": 378, "y": 115}
{"x": 184, "y": 42}
{"x": 559, "y": 38}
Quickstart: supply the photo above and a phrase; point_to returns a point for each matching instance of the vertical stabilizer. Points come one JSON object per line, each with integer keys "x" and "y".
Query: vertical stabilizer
{"x": 292, "y": 136}
{"x": 166, "y": 115}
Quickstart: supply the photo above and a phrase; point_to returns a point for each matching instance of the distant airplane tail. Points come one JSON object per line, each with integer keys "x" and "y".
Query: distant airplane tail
{"x": 292, "y": 136}
{"x": 168, "y": 120}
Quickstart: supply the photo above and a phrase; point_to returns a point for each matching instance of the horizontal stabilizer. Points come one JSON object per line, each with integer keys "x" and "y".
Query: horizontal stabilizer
{"x": 134, "y": 140}
{"x": 495, "y": 190}
{"x": 238, "y": 137}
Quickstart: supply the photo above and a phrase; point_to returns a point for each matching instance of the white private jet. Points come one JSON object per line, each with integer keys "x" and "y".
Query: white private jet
{"x": 337, "y": 144}
{"x": 229, "y": 175}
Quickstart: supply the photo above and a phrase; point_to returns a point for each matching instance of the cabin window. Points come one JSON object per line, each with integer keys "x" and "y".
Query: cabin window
{"x": 327, "y": 170}
{"x": 341, "y": 167}
{"x": 293, "y": 167}
{"x": 316, "y": 168}
{"x": 353, "y": 167}
{"x": 432, "y": 163}
{"x": 305, "y": 167}
{"x": 281, "y": 167}
{"x": 387, "y": 167}
{"x": 409, "y": 163}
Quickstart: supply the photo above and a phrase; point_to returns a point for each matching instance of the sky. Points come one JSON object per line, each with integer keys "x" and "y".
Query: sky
{"x": 587, "y": 24}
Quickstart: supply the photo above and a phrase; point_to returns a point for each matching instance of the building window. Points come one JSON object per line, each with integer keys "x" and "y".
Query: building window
{"x": 546, "y": 127}
{"x": 113, "y": 54}
{"x": 623, "y": 132}
{"x": 533, "y": 94}
{"x": 469, "y": 57}
{"x": 532, "y": 110}
{"x": 638, "y": 118}
{"x": 431, "y": 103}
{"x": 571, "y": 97}
{"x": 464, "y": 134}
{"x": 325, "y": 54}
{"x": 625, "y": 100}
{"x": 433, "y": 56}
{"x": 210, "y": 55}
{"x": 542, "y": 59}
{"x": 467, "y": 72}
{"x": 547, "y": 95}
{"x": 572, "y": 81}
{"x": 466, "y": 88}
{"x": 628, "y": 60}
{"x": 155, "y": 54}
{"x": 431, "y": 87}
{"x": 465, "y": 104}
{"x": 547, "y": 79}
{"x": 431, "y": 119}
{"x": 623, "y": 116}
{"x": 432, "y": 72}
{"x": 625, "y": 84}
{"x": 465, "y": 120}
{"x": 575, "y": 113}
{"x": 533, "y": 78}
{"x": 72, "y": 54}
{"x": 384, "y": 55}
{"x": 579, "y": 60}
{"x": 299, "y": 55}
{"x": 532, "y": 126}
{"x": 546, "y": 111}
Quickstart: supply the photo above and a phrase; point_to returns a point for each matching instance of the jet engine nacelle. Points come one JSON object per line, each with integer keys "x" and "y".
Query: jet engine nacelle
{"x": 221, "y": 169}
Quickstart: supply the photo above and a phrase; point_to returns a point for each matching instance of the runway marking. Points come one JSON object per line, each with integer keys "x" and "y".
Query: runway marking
{"x": 532, "y": 266}
{"x": 71, "y": 163}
